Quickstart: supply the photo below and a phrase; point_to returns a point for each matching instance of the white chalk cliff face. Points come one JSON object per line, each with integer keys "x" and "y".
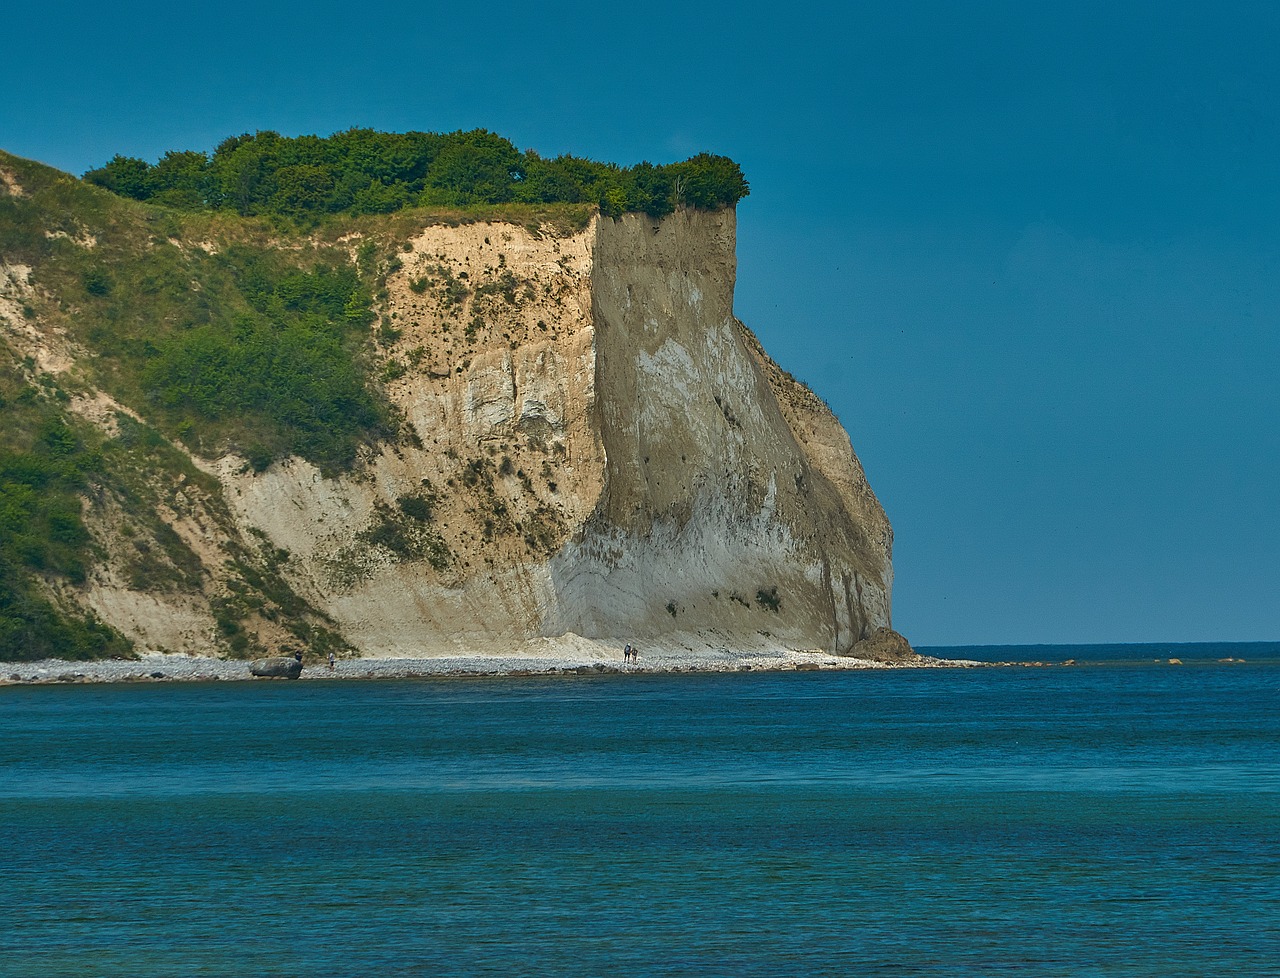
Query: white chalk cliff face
{"x": 732, "y": 503}
{"x": 609, "y": 452}
{"x": 593, "y": 444}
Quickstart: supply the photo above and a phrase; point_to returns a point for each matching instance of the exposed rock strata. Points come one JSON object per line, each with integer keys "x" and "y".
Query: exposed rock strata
{"x": 601, "y": 448}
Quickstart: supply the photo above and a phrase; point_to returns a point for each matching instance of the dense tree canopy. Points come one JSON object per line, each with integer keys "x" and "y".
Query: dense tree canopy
{"x": 366, "y": 172}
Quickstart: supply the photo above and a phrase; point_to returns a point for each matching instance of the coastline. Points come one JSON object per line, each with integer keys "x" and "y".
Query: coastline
{"x": 570, "y": 656}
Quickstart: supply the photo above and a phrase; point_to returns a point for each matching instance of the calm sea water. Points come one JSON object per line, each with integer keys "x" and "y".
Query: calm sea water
{"x": 1113, "y": 820}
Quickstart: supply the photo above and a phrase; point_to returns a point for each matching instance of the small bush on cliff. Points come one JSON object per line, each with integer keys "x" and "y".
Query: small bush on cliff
{"x": 405, "y": 531}
{"x": 362, "y": 171}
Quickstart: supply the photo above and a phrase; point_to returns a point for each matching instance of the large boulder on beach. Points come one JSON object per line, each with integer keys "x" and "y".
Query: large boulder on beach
{"x": 884, "y": 645}
{"x": 276, "y": 667}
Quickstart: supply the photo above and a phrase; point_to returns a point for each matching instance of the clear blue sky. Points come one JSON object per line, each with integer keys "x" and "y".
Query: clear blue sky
{"x": 1028, "y": 252}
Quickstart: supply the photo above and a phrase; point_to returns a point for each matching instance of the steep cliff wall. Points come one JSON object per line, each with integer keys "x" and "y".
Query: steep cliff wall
{"x": 592, "y": 443}
{"x": 609, "y": 452}
{"x": 732, "y": 504}
{"x": 496, "y": 348}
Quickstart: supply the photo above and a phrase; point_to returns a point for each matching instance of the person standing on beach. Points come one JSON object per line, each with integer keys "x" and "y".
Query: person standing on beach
{"x": 331, "y": 658}
{"x": 626, "y": 655}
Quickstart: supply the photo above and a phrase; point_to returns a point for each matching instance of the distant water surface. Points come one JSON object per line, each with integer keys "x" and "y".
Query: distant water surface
{"x": 1039, "y": 822}
{"x": 1143, "y": 652}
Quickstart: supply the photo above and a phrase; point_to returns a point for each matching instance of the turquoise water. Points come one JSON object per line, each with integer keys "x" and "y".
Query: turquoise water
{"x": 1117, "y": 820}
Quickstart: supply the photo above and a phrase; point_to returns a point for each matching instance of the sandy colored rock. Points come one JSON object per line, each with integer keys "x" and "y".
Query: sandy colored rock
{"x": 598, "y": 448}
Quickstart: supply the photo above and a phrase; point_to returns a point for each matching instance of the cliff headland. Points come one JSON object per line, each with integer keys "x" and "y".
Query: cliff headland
{"x": 444, "y": 430}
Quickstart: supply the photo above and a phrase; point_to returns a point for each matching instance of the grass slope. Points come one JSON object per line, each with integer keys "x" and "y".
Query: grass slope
{"x": 217, "y": 332}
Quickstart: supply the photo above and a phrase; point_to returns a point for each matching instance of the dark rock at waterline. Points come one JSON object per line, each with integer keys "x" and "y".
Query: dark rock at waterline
{"x": 157, "y": 675}
{"x": 276, "y": 667}
{"x": 884, "y": 645}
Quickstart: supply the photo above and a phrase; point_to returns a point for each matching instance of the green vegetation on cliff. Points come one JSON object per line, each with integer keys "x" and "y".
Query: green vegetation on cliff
{"x": 361, "y": 171}
{"x": 281, "y": 377}
{"x": 227, "y": 333}
{"x": 45, "y": 467}
{"x": 223, "y": 304}
{"x": 211, "y": 330}
{"x": 220, "y": 332}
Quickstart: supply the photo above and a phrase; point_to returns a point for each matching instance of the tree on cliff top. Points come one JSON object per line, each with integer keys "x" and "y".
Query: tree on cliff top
{"x": 361, "y": 171}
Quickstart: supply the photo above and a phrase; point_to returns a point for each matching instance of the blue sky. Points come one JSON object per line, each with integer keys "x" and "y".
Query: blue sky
{"x": 1027, "y": 252}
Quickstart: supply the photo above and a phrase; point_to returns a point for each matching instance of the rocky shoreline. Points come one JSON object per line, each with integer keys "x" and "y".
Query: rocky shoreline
{"x": 574, "y": 659}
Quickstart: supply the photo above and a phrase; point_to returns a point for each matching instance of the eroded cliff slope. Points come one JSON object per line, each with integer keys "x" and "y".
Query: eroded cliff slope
{"x": 590, "y": 442}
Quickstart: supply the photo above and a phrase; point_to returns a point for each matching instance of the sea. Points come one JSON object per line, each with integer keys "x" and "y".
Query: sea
{"x": 1120, "y": 816}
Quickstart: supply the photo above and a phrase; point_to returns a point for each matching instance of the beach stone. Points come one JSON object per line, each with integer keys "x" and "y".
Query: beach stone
{"x": 157, "y": 675}
{"x": 276, "y": 667}
{"x": 884, "y": 645}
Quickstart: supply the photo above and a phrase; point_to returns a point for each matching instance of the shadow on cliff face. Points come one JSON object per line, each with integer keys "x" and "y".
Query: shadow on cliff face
{"x": 724, "y": 479}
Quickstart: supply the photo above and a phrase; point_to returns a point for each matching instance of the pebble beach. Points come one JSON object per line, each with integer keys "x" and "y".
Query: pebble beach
{"x": 574, "y": 656}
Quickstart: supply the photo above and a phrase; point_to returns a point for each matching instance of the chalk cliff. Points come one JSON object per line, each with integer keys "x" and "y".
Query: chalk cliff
{"x": 614, "y": 456}
{"x": 593, "y": 443}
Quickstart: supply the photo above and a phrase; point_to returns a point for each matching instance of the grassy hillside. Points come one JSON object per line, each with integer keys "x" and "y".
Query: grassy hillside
{"x": 227, "y": 303}
{"x": 46, "y": 464}
{"x": 210, "y": 330}
{"x": 226, "y": 334}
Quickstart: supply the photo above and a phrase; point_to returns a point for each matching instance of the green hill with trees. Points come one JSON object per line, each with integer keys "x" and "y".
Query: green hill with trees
{"x": 219, "y": 333}
{"x": 216, "y": 298}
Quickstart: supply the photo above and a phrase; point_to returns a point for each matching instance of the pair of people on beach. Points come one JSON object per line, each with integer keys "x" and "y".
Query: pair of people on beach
{"x": 630, "y": 655}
